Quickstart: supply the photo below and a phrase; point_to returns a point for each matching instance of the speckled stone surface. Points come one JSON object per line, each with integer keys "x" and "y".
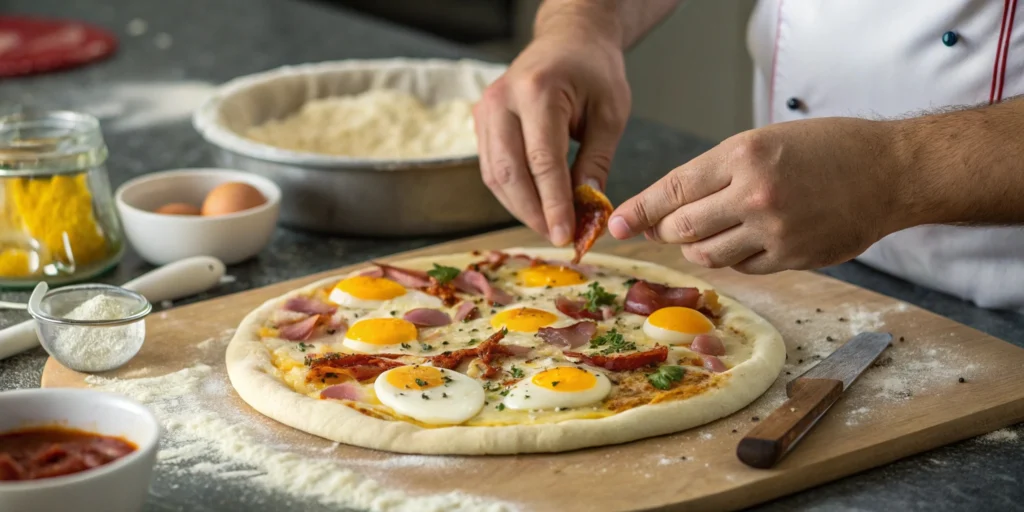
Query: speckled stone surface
{"x": 211, "y": 41}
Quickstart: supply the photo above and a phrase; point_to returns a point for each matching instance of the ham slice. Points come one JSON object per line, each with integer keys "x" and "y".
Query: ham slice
{"x": 644, "y": 298}
{"x": 406, "y": 277}
{"x": 471, "y": 281}
{"x": 707, "y": 344}
{"x": 344, "y": 391}
{"x": 284, "y": 317}
{"x": 573, "y": 336}
{"x": 577, "y": 309}
{"x": 426, "y": 317}
{"x": 309, "y": 306}
{"x": 466, "y": 311}
{"x": 714, "y": 364}
{"x": 299, "y": 331}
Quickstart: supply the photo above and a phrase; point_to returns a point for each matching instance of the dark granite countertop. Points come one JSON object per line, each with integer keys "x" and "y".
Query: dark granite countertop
{"x": 210, "y": 41}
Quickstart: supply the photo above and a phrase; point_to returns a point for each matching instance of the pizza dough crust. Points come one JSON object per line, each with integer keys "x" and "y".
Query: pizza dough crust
{"x": 251, "y": 373}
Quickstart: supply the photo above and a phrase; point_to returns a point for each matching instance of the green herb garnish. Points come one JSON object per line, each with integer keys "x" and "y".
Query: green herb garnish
{"x": 426, "y": 347}
{"x": 500, "y": 407}
{"x": 629, "y": 282}
{"x": 443, "y": 274}
{"x": 421, "y": 383}
{"x": 554, "y": 383}
{"x": 596, "y": 296}
{"x": 666, "y": 376}
{"x": 612, "y": 342}
{"x": 303, "y": 346}
{"x": 516, "y": 372}
{"x": 406, "y": 346}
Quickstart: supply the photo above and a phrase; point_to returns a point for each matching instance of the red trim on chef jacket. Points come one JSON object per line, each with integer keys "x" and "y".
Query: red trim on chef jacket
{"x": 775, "y": 60}
{"x": 1002, "y": 48}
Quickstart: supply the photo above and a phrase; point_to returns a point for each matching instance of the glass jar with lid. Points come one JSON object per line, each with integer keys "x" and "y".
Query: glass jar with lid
{"x": 57, "y": 218}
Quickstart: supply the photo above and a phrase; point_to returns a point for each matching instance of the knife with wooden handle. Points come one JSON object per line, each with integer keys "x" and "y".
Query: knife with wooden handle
{"x": 810, "y": 396}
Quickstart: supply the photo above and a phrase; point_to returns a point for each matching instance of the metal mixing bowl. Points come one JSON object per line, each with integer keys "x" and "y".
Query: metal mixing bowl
{"x": 356, "y": 196}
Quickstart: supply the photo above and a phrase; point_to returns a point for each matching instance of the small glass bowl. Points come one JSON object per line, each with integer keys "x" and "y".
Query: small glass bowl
{"x": 75, "y": 343}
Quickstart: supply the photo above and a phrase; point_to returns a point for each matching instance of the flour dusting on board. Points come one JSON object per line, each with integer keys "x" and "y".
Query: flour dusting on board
{"x": 209, "y": 437}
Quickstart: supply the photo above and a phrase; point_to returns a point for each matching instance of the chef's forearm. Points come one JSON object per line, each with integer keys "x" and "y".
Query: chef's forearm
{"x": 963, "y": 167}
{"x": 624, "y": 21}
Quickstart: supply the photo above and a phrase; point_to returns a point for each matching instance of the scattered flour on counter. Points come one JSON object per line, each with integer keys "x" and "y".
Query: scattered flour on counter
{"x": 198, "y": 426}
{"x": 706, "y": 436}
{"x": 132, "y": 105}
{"x": 1000, "y": 437}
{"x": 227, "y": 278}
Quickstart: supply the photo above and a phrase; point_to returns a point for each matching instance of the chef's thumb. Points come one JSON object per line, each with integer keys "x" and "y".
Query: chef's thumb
{"x": 594, "y": 158}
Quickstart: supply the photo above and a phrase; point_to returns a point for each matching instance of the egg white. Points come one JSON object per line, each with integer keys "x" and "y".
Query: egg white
{"x": 465, "y": 398}
{"x": 409, "y": 300}
{"x": 544, "y": 398}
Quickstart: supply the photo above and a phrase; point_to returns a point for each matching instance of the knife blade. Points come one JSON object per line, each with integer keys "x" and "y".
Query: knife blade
{"x": 810, "y": 397}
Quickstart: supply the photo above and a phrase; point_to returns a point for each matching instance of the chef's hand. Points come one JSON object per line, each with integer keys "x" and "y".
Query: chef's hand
{"x": 569, "y": 81}
{"x": 796, "y": 195}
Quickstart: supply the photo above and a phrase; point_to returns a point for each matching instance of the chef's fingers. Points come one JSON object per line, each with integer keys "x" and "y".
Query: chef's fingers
{"x": 725, "y": 249}
{"x": 760, "y": 263}
{"x": 685, "y": 184}
{"x": 545, "y": 116}
{"x": 698, "y": 220}
{"x": 604, "y": 127}
{"x": 506, "y": 173}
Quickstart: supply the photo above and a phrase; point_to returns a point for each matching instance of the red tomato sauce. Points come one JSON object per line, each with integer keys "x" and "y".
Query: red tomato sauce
{"x": 46, "y": 452}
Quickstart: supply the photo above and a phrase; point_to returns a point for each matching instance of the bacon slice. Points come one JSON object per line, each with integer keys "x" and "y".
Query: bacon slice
{"x": 426, "y": 317}
{"x": 309, "y": 306}
{"x": 572, "y": 336}
{"x": 445, "y": 292}
{"x": 467, "y": 311}
{"x": 623, "y": 362}
{"x": 357, "y": 366}
{"x": 493, "y": 261}
{"x": 592, "y": 212}
{"x": 299, "y": 331}
{"x": 707, "y": 344}
{"x": 343, "y": 391}
{"x": 489, "y": 351}
{"x": 404, "y": 276}
{"x": 644, "y": 298}
{"x": 472, "y": 281}
{"x": 714, "y": 364}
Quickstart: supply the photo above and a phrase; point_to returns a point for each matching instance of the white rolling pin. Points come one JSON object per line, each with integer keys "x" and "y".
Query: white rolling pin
{"x": 176, "y": 280}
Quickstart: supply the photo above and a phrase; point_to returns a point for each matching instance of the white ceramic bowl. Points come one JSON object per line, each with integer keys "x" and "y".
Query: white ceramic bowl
{"x": 121, "y": 486}
{"x": 161, "y": 239}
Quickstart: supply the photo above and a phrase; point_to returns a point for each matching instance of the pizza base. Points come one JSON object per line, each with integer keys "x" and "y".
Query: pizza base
{"x": 251, "y": 372}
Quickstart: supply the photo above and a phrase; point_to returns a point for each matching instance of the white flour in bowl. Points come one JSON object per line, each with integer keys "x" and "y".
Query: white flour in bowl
{"x": 98, "y": 348}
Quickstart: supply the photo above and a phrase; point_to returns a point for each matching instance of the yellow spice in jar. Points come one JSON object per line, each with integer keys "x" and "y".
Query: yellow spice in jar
{"x": 50, "y": 210}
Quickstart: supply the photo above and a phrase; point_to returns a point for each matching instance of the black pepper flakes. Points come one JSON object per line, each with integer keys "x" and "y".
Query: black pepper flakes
{"x": 799, "y": 321}
{"x": 755, "y": 418}
{"x": 902, "y": 339}
{"x": 682, "y": 457}
{"x": 829, "y": 338}
{"x": 799, "y": 361}
{"x": 799, "y": 347}
{"x": 734, "y": 431}
{"x": 842, "y": 319}
{"x": 817, "y": 310}
{"x": 961, "y": 380}
{"x": 788, "y": 373}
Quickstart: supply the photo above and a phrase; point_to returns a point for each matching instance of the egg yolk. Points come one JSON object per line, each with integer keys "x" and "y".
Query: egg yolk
{"x": 550, "y": 275}
{"x": 681, "y": 319}
{"x": 565, "y": 379}
{"x": 382, "y": 331}
{"x": 523, "y": 319}
{"x": 370, "y": 288}
{"x": 415, "y": 377}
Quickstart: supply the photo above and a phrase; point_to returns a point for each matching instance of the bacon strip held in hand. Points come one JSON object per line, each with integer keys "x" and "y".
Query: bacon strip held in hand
{"x": 623, "y": 362}
{"x": 592, "y": 212}
{"x": 309, "y": 306}
{"x": 426, "y": 317}
{"x": 644, "y": 298}
{"x": 572, "y": 336}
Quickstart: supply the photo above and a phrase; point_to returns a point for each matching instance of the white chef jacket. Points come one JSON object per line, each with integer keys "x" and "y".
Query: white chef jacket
{"x": 893, "y": 58}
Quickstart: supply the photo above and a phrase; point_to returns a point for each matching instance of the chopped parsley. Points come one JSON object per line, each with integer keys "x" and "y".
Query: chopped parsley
{"x": 303, "y": 346}
{"x": 443, "y": 274}
{"x": 516, "y": 372}
{"x": 666, "y": 376}
{"x": 393, "y": 312}
{"x": 473, "y": 341}
{"x": 406, "y": 346}
{"x": 500, "y": 407}
{"x": 421, "y": 383}
{"x": 612, "y": 342}
{"x": 426, "y": 347}
{"x": 444, "y": 342}
{"x": 504, "y": 392}
{"x": 554, "y": 383}
{"x": 490, "y": 386}
{"x": 596, "y": 296}
{"x": 444, "y": 395}
{"x": 629, "y": 282}
{"x": 424, "y": 396}
{"x": 446, "y": 379}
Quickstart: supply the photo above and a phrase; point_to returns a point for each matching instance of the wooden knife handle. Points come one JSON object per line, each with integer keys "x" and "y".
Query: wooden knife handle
{"x": 775, "y": 436}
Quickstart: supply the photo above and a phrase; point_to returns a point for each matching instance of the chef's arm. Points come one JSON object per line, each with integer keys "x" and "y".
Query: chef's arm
{"x": 964, "y": 167}
{"x": 627, "y": 20}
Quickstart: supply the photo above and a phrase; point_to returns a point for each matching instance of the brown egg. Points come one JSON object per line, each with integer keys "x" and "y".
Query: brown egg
{"x": 178, "y": 209}
{"x": 232, "y": 197}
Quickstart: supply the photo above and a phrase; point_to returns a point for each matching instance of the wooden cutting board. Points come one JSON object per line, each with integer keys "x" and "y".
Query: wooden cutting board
{"x": 911, "y": 401}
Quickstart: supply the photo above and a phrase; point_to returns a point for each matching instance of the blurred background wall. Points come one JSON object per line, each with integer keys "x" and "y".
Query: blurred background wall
{"x": 692, "y": 73}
